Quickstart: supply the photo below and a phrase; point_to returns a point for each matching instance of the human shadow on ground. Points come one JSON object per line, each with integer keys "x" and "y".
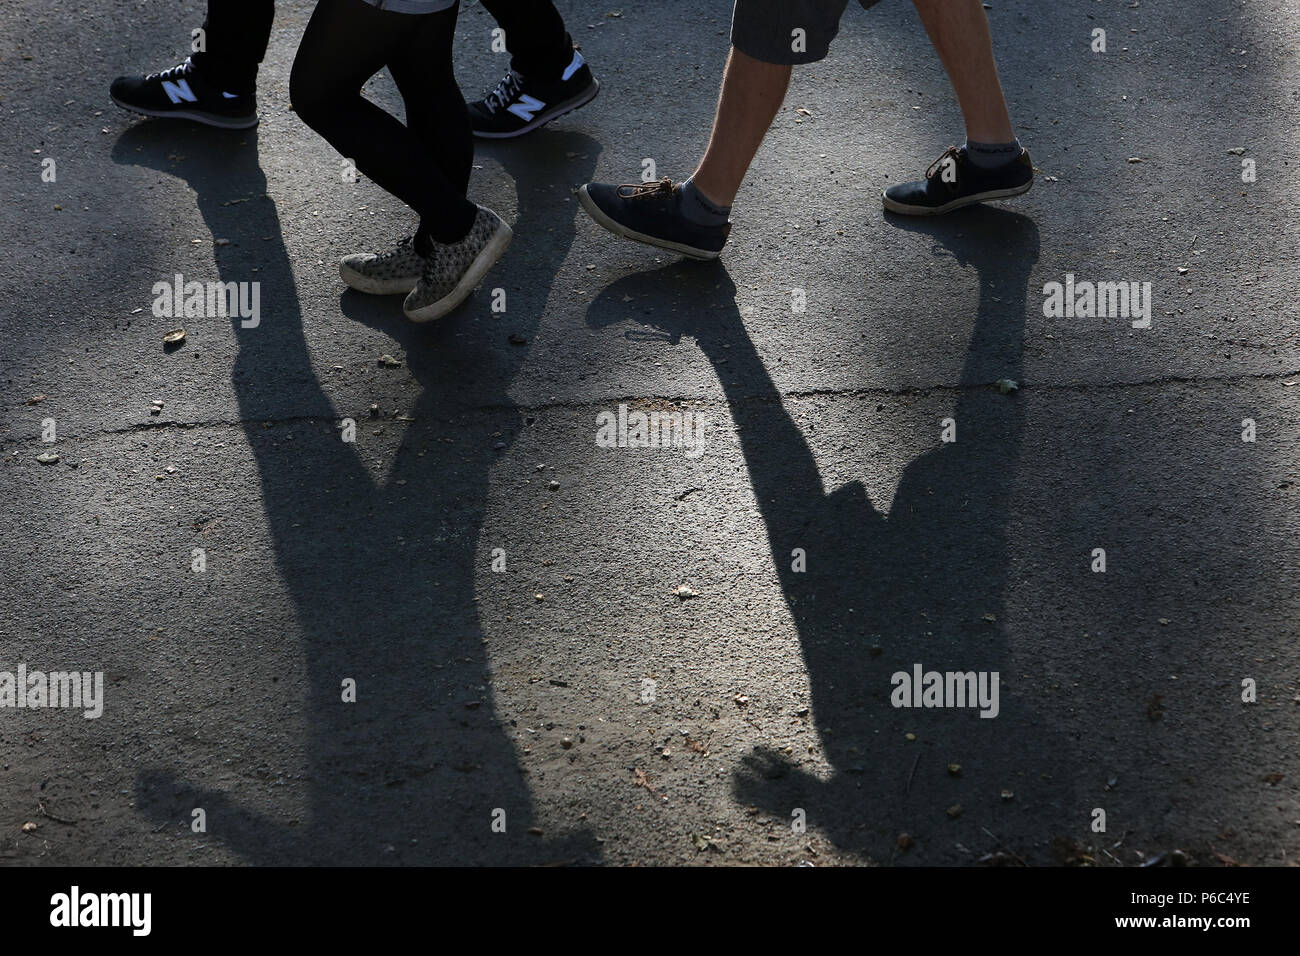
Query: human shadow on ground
{"x": 922, "y": 584}
{"x": 381, "y": 574}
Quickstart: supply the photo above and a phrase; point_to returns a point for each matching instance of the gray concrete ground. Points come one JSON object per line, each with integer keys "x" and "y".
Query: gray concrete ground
{"x": 529, "y": 691}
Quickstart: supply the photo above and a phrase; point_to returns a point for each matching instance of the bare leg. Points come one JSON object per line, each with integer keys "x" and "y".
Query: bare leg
{"x": 959, "y": 31}
{"x": 752, "y": 93}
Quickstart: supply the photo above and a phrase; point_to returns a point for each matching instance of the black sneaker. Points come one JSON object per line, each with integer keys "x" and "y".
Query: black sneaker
{"x": 651, "y": 213}
{"x": 953, "y": 181}
{"x": 184, "y": 93}
{"x": 520, "y": 105}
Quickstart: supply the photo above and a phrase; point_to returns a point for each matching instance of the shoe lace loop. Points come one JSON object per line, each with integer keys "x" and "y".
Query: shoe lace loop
{"x": 952, "y": 152}
{"x": 180, "y": 69}
{"x": 505, "y": 91}
{"x": 646, "y": 190}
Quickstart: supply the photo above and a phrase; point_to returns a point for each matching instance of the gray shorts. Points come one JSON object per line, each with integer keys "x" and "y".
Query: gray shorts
{"x": 788, "y": 32}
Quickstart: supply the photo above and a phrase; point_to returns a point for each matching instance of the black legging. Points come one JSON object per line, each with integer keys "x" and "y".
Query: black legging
{"x": 426, "y": 162}
{"x": 238, "y": 31}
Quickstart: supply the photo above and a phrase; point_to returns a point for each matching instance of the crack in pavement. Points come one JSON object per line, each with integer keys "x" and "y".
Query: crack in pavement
{"x": 907, "y": 391}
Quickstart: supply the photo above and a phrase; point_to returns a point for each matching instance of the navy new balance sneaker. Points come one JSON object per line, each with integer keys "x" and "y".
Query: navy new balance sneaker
{"x": 651, "y": 213}
{"x": 520, "y": 104}
{"x": 184, "y": 93}
{"x": 953, "y": 181}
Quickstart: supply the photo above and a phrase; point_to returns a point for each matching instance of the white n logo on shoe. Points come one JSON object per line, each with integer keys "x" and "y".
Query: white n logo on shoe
{"x": 179, "y": 91}
{"x": 526, "y": 107}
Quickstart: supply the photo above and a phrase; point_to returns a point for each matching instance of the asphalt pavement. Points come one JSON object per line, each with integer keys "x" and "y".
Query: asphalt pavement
{"x": 474, "y": 636}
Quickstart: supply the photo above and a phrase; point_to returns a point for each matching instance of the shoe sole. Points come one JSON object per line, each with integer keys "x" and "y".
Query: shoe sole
{"x": 554, "y": 113}
{"x": 373, "y": 286}
{"x": 904, "y": 209}
{"x": 618, "y": 229}
{"x": 207, "y": 119}
{"x": 482, "y": 263}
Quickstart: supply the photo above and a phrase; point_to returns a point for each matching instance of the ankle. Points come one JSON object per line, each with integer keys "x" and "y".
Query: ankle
{"x": 992, "y": 154}
{"x": 710, "y": 193}
{"x": 699, "y": 208}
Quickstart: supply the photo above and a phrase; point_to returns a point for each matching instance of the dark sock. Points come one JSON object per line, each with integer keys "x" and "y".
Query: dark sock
{"x": 699, "y": 209}
{"x": 992, "y": 155}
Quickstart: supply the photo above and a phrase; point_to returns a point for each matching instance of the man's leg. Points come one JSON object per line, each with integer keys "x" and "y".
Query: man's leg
{"x": 538, "y": 42}
{"x": 236, "y": 35}
{"x": 752, "y": 94}
{"x": 768, "y": 38}
{"x": 992, "y": 164}
{"x": 547, "y": 78}
{"x": 217, "y": 83}
{"x": 959, "y": 30}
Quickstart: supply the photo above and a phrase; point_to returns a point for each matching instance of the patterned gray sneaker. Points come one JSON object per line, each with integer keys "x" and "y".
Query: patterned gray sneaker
{"x": 453, "y": 269}
{"x": 391, "y": 272}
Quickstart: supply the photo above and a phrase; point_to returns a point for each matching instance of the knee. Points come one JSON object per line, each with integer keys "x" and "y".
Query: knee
{"x": 307, "y": 93}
